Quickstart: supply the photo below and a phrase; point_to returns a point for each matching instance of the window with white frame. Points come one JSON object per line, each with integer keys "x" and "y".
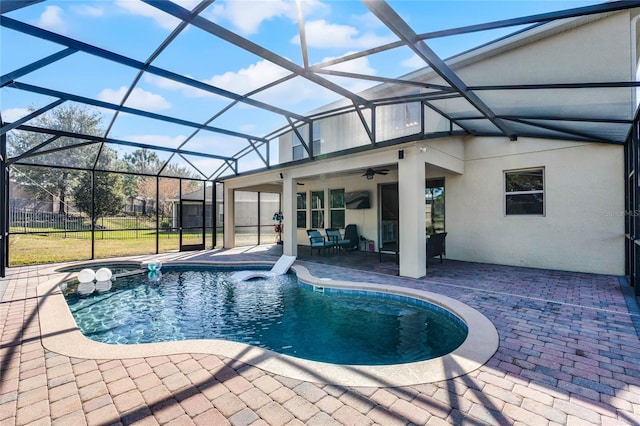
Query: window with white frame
{"x": 317, "y": 138}
{"x": 298, "y": 149}
{"x": 524, "y": 192}
{"x": 317, "y": 209}
{"x": 336, "y": 208}
{"x": 301, "y": 213}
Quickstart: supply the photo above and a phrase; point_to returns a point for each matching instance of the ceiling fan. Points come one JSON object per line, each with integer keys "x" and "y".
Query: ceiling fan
{"x": 370, "y": 173}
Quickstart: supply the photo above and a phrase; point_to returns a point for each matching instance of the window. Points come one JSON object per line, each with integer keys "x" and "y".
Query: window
{"x": 407, "y": 114}
{"x": 317, "y": 138}
{"x": 317, "y": 209}
{"x": 298, "y": 149}
{"x": 336, "y": 206}
{"x": 434, "y": 206}
{"x": 302, "y": 210}
{"x": 524, "y": 192}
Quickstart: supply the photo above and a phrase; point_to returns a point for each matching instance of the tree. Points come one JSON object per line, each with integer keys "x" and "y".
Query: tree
{"x": 109, "y": 198}
{"x": 147, "y": 162}
{"x": 144, "y": 162}
{"x": 47, "y": 182}
{"x": 170, "y": 186}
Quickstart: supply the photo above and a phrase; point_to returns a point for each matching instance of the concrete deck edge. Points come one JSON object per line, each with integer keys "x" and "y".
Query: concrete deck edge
{"x": 60, "y": 334}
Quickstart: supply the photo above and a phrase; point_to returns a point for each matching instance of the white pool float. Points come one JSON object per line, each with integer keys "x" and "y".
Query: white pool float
{"x": 86, "y": 275}
{"x": 103, "y": 274}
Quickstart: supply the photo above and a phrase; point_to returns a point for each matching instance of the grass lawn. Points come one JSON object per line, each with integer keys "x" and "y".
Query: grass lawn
{"x": 30, "y": 249}
{"x": 42, "y": 247}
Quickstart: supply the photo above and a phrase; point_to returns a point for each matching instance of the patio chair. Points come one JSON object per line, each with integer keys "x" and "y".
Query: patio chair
{"x": 351, "y": 234}
{"x": 318, "y": 241}
{"x": 435, "y": 246}
{"x": 334, "y": 236}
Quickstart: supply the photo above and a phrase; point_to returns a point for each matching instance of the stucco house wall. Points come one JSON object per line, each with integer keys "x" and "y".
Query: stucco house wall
{"x": 583, "y": 225}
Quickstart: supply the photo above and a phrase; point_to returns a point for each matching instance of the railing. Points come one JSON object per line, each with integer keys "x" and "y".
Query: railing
{"x": 25, "y": 221}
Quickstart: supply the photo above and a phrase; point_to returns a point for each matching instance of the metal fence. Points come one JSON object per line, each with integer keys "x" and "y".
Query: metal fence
{"x": 29, "y": 220}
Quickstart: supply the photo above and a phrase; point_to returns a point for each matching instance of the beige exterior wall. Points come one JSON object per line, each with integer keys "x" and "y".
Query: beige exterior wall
{"x": 596, "y": 52}
{"x": 583, "y": 228}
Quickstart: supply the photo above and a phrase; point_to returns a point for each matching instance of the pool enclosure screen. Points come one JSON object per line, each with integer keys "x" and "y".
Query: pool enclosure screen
{"x": 59, "y": 214}
{"x": 136, "y": 152}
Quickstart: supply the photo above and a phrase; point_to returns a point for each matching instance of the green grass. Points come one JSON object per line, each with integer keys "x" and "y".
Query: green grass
{"x": 30, "y": 249}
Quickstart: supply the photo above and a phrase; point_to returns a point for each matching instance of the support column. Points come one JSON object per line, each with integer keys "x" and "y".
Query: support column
{"x": 411, "y": 184}
{"x": 289, "y": 210}
{"x": 229, "y": 217}
{"x": 4, "y": 202}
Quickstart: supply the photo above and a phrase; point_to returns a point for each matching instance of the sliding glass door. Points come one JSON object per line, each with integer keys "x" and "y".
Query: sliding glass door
{"x": 434, "y": 206}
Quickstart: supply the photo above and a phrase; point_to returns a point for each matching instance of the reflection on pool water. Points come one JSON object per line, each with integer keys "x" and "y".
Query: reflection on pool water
{"x": 116, "y": 268}
{"x": 280, "y": 313}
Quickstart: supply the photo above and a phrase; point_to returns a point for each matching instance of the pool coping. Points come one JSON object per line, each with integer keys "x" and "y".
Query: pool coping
{"x": 60, "y": 334}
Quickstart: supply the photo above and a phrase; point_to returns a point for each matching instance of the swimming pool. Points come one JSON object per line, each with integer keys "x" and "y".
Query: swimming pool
{"x": 61, "y": 335}
{"x": 339, "y": 326}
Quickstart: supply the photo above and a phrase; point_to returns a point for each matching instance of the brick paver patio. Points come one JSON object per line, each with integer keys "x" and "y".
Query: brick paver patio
{"x": 569, "y": 355}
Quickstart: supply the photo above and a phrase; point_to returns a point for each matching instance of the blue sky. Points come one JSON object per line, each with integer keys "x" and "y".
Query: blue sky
{"x": 135, "y": 29}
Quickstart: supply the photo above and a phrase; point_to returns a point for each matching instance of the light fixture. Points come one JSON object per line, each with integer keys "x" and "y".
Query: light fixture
{"x": 423, "y": 149}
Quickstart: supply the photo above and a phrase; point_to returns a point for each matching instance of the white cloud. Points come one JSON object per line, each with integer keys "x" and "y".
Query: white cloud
{"x": 87, "y": 10}
{"x": 167, "y": 84}
{"x": 322, "y": 34}
{"x": 414, "y": 62}
{"x": 240, "y": 82}
{"x": 250, "y": 78}
{"x": 138, "y": 98}
{"x": 51, "y": 19}
{"x": 162, "y": 19}
{"x": 358, "y": 66}
{"x": 12, "y": 114}
{"x": 246, "y": 16}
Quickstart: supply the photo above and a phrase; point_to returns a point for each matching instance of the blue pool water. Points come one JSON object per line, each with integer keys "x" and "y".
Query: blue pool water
{"x": 281, "y": 314}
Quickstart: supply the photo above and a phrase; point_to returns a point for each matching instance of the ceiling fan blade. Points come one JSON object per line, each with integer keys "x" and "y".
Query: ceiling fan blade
{"x": 381, "y": 173}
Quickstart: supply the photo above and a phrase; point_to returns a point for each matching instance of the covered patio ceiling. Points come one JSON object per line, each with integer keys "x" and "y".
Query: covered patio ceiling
{"x": 210, "y": 86}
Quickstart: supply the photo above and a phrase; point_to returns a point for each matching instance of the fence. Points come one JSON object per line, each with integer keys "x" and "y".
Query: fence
{"x": 25, "y": 221}
{"x": 46, "y": 237}
{"x": 31, "y": 220}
